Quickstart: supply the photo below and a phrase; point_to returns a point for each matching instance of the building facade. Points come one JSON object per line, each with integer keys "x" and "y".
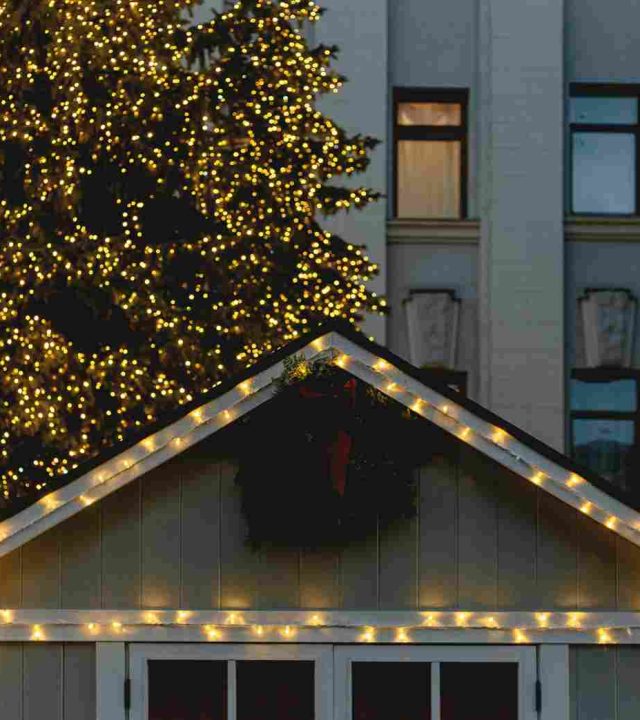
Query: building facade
{"x": 509, "y": 164}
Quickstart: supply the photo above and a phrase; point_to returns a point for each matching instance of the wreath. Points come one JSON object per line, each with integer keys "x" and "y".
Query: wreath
{"x": 327, "y": 459}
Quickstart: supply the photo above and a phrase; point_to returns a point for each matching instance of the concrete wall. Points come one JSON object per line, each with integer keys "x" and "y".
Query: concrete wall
{"x": 602, "y": 41}
{"x": 482, "y": 538}
{"x": 416, "y": 266}
{"x": 522, "y": 253}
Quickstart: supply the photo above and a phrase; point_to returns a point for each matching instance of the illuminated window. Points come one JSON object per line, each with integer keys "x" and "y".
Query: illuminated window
{"x": 605, "y": 423}
{"x": 430, "y": 153}
{"x": 604, "y": 147}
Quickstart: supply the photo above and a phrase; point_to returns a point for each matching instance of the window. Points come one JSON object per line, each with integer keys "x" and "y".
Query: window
{"x": 605, "y": 427}
{"x": 430, "y": 129}
{"x": 229, "y": 682}
{"x": 435, "y": 683}
{"x": 604, "y": 149}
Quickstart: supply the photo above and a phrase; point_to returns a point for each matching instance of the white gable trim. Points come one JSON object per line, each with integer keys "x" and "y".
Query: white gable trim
{"x": 172, "y": 440}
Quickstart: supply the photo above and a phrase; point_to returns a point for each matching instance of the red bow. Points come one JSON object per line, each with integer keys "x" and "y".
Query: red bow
{"x": 339, "y": 450}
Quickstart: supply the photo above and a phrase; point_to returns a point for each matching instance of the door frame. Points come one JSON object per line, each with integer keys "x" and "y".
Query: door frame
{"x": 141, "y": 653}
{"x": 524, "y": 656}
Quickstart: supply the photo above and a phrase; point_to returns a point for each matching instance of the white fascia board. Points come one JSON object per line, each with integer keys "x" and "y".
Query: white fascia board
{"x": 321, "y": 626}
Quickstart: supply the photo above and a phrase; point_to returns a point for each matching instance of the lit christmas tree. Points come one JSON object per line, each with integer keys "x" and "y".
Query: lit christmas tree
{"x": 160, "y": 186}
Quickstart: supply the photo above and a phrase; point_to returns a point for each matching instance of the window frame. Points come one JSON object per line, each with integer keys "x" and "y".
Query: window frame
{"x": 141, "y": 653}
{"x": 604, "y": 374}
{"x": 605, "y": 90}
{"x": 460, "y": 133}
{"x": 523, "y": 655}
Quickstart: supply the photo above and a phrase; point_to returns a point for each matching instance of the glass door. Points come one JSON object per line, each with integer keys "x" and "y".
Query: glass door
{"x": 435, "y": 683}
{"x": 230, "y": 682}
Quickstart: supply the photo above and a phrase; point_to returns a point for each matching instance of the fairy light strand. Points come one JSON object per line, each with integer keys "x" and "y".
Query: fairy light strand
{"x": 116, "y": 120}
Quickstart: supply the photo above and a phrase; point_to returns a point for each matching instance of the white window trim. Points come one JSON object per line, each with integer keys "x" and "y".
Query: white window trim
{"x": 111, "y": 668}
{"x": 140, "y": 654}
{"x": 524, "y": 656}
{"x": 553, "y": 669}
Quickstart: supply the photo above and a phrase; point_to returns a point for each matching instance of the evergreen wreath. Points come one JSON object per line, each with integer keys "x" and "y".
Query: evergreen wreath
{"x": 327, "y": 459}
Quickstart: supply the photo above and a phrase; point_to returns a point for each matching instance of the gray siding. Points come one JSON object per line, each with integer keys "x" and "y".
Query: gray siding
{"x": 55, "y": 681}
{"x": 482, "y": 538}
{"x": 604, "y": 683}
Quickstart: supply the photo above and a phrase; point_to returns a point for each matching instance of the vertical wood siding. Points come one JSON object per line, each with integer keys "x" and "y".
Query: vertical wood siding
{"x": 55, "y": 681}
{"x": 604, "y": 683}
{"x": 482, "y": 538}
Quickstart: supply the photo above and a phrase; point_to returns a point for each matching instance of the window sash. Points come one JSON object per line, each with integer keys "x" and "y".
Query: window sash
{"x": 432, "y": 133}
{"x": 604, "y": 375}
{"x": 140, "y": 654}
{"x": 605, "y": 90}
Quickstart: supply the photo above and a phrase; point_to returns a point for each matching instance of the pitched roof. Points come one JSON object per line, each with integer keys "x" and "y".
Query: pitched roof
{"x": 465, "y": 419}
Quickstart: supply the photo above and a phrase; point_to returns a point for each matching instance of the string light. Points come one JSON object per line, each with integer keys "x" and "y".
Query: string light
{"x": 574, "y": 620}
{"x": 574, "y": 481}
{"x": 381, "y": 366}
{"x": 369, "y": 635}
{"x": 538, "y": 478}
{"x": 499, "y": 436}
{"x": 342, "y": 361}
{"x": 234, "y": 619}
{"x": 519, "y": 636}
{"x": 198, "y": 416}
{"x": 604, "y": 636}
{"x": 212, "y": 632}
{"x": 520, "y": 627}
{"x": 418, "y": 405}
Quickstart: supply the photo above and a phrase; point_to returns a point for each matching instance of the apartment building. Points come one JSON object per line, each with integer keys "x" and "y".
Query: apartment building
{"x": 508, "y": 240}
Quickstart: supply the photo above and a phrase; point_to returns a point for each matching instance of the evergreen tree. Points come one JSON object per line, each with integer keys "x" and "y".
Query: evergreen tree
{"x": 160, "y": 186}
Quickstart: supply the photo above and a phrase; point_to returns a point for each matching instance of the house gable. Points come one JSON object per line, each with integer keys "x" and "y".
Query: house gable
{"x": 482, "y": 540}
{"x": 459, "y": 417}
